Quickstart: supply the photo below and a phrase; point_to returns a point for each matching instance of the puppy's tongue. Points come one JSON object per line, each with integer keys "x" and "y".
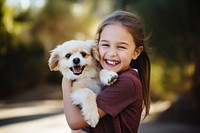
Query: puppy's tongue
{"x": 77, "y": 69}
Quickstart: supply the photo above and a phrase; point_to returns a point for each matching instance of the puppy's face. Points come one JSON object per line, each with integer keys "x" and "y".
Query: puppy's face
{"x": 74, "y": 59}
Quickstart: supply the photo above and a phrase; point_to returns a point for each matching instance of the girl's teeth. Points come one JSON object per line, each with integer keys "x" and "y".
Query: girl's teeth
{"x": 111, "y": 62}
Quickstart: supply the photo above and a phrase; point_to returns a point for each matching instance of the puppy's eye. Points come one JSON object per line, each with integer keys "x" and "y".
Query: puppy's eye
{"x": 67, "y": 55}
{"x": 83, "y": 54}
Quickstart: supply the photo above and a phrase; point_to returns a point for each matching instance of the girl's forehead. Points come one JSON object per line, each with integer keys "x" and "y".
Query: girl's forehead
{"x": 116, "y": 31}
{"x": 117, "y": 26}
{"x": 117, "y": 34}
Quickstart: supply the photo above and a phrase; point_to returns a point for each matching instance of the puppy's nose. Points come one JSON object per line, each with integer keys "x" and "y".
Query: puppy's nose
{"x": 76, "y": 60}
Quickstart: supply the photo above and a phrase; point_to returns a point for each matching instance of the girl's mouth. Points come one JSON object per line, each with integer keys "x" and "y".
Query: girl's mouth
{"x": 111, "y": 62}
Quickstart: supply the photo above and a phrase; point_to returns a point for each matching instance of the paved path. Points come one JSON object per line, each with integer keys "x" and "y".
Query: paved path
{"x": 33, "y": 117}
{"x": 47, "y": 117}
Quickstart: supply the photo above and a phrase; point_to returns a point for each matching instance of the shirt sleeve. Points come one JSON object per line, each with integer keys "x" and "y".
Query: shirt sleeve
{"x": 115, "y": 98}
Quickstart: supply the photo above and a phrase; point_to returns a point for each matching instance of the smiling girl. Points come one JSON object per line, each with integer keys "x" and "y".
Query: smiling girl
{"x": 122, "y": 49}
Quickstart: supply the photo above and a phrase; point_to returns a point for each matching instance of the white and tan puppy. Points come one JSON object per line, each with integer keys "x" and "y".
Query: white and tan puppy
{"x": 78, "y": 61}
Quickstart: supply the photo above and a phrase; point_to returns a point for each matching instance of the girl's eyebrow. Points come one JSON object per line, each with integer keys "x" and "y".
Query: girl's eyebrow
{"x": 124, "y": 43}
{"x": 104, "y": 41}
{"x": 118, "y": 42}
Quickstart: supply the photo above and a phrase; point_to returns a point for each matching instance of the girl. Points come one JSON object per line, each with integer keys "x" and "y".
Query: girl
{"x": 121, "y": 46}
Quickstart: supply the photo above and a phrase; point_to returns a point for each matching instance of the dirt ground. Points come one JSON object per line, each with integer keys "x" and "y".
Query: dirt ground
{"x": 41, "y": 111}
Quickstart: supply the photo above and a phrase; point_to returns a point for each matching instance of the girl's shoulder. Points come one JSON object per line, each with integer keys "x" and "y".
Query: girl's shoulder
{"x": 130, "y": 73}
{"x": 130, "y": 78}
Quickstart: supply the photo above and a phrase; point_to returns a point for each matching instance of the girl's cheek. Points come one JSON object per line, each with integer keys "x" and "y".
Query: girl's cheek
{"x": 101, "y": 58}
{"x": 101, "y": 53}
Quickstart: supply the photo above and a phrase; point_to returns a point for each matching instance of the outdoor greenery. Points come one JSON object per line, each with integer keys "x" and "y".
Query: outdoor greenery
{"x": 27, "y": 36}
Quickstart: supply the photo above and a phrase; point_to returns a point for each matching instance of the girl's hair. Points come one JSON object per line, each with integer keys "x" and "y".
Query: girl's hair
{"x": 142, "y": 63}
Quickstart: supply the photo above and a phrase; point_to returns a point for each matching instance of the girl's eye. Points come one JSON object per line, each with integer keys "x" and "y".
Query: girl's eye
{"x": 83, "y": 54}
{"x": 121, "y": 47}
{"x": 67, "y": 56}
{"x": 104, "y": 45}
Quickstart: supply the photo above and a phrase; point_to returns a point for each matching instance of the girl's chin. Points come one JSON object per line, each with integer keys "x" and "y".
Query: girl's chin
{"x": 112, "y": 68}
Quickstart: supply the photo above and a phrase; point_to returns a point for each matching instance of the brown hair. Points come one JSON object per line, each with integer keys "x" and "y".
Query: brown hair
{"x": 142, "y": 63}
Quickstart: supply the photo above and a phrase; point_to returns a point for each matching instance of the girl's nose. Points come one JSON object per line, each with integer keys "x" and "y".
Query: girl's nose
{"x": 112, "y": 52}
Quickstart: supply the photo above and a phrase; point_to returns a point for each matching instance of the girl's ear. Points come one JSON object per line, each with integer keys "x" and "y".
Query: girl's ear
{"x": 137, "y": 52}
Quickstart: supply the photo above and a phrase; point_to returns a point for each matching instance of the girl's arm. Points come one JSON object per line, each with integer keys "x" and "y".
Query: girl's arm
{"x": 73, "y": 114}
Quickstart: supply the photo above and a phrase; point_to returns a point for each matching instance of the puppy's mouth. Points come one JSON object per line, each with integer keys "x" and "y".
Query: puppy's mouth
{"x": 77, "y": 70}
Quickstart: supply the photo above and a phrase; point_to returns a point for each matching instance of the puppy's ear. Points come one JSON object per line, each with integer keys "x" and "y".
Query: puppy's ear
{"x": 94, "y": 49}
{"x": 53, "y": 61}
{"x": 95, "y": 52}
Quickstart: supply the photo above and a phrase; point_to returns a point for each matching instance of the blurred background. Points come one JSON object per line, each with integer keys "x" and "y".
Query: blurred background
{"x": 29, "y": 29}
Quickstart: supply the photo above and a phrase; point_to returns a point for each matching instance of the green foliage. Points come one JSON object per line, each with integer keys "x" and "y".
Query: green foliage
{"x": 61, "y": 20}
{"x": 21, "y": 67}
{"x": 22, "y": 64}
{"x": 28, "y": 35}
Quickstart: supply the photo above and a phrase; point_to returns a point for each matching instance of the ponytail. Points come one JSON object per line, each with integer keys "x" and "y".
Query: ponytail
{"x": 142, "y": 63}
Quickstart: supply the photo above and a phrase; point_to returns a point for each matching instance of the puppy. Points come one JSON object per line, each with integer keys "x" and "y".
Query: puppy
{"x": 79, "y": 61}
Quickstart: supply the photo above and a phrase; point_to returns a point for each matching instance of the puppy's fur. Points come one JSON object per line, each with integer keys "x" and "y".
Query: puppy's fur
{"x": 78, "y": 61}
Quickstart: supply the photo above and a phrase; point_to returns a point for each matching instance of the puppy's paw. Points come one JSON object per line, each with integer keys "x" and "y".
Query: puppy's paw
{"x": 91, "y": 116}
{"x": 108, "y": 77}
{"x": 86, "y": 99}
{"x": 90, "y": 110}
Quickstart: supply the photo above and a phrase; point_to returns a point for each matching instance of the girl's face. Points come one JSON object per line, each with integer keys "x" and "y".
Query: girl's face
{"x": 117, "y": 48}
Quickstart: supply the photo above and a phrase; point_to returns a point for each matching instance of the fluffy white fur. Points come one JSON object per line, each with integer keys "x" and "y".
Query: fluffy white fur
{"x": 78, "y": 61}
